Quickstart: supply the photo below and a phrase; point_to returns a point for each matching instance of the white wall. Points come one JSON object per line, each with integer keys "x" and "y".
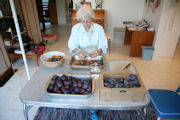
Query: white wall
{"x": 77, "y": 3}
{"x": 152, "y": 18}
{"x": 169, "y": 29}
{"x": 61, "y": 11}
{"x": 166, "y": 21}
{"x": 117, "y": 11}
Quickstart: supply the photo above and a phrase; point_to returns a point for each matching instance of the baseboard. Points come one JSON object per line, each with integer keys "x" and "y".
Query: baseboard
{"x": 162, "y": 57}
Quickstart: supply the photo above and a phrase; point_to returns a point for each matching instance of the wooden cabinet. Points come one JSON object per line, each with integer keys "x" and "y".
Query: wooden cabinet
{"x": 12, "y": 47}
{"x": 28, "y": 56}
{"x": 52, "y": 12}
{"x": 99, "y": 17}
{"x": 138, "y": 38}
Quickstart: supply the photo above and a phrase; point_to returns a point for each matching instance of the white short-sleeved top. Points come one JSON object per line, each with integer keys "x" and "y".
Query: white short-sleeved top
{"x": 81, "y": 39}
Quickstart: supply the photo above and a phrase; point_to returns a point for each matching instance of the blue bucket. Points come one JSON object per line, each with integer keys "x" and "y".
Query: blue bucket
{"x": 147, "y": 52}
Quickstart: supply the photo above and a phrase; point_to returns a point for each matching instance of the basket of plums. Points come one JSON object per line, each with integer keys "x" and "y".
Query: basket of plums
{"x": 121, "y": 88}
{"x": 52, "y": 59}
{"x": 71, "y": 86}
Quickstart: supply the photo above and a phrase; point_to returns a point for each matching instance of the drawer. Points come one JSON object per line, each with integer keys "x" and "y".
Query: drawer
{"x": 99, "y": 13}
{"x": 99, "y": 17}
{"x": 74, "y": 21}
{"x": 99, "y": 21}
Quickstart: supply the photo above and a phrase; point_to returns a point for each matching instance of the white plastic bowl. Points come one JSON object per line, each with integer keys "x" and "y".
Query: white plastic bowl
{"x": 44, "y": 57}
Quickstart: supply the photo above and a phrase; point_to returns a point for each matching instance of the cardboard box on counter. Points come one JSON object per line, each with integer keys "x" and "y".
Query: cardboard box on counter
{"x": 121, "y": 94}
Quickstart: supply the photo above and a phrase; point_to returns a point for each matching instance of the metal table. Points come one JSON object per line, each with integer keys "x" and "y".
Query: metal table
{"x": 34, "y": 93}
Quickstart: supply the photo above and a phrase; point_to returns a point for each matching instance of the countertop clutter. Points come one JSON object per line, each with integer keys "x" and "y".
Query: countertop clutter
{"x": 35, "y": 92}
{"x": 141, "y": 25}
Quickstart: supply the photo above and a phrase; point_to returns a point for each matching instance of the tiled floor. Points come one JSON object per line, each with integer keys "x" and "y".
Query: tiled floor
{"x": 157, "y": 73}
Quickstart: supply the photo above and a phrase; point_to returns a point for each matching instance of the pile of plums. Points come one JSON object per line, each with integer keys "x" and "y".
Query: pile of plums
{"x": 120, "y": 82}
{"x": 54, "y": 58}
{"x": 70, "y": 85}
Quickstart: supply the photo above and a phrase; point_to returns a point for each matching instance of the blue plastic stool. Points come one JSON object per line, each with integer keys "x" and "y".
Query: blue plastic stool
{"x": 166, "y": 103}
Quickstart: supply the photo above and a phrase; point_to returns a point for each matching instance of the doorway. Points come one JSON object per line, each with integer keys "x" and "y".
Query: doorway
{"x": 47, "y": 13}
{"x": 69, "y": 8}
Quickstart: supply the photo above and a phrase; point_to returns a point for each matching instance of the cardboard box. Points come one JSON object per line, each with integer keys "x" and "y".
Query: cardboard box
{"x": 121, "y": 94}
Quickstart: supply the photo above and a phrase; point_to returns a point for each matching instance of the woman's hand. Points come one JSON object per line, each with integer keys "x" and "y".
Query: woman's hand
{"x": 79, "y": 53}
{"x": 95, "y": 53}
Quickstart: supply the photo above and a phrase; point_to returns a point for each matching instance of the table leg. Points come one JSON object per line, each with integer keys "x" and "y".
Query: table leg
{"x": 37, "y": 62}
{"x": 109, "y": 45}
{"x": 145, "y": 113}
{"x": 158, "y": 118}
{"x": 26, "y": 109}
{"x": 140, "y": 113}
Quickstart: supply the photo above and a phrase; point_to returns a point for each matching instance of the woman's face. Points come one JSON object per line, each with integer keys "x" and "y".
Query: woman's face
{"x": 86, "y": 21}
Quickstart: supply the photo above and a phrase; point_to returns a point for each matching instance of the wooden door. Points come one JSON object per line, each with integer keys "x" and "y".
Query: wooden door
{"x": 53, "y": 12}
{"x": 5, "y": 65}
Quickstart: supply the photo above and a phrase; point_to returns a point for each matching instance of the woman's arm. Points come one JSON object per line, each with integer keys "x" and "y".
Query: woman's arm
{"x": 99, "y": 51}
{"x": 73, "y": 43}
{"x": 103, "y": 44}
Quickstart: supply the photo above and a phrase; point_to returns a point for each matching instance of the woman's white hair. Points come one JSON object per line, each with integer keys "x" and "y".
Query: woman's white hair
{"x": 84, "y": 11}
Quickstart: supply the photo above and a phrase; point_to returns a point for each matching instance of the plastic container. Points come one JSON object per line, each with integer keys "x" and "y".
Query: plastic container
{"x": 72, "y": 96}
{"x": 95, "y": 68}
{"x": 49, "y": 38}
{"x": 147, "y": 52}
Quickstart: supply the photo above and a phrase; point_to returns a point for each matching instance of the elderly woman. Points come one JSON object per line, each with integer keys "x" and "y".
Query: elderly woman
{"x": 87, "y": 38}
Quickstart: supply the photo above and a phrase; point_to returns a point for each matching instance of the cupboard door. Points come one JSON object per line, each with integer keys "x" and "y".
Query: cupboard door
{"x": 4, "y": 54}
{"x": 52, "y": 12}
{"x": 3, "y": 64}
